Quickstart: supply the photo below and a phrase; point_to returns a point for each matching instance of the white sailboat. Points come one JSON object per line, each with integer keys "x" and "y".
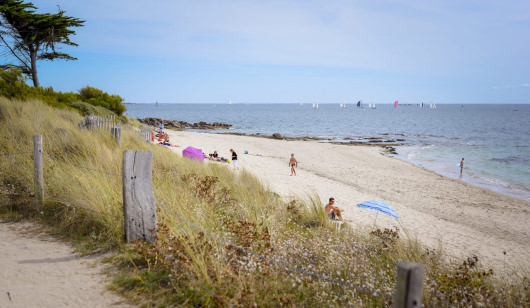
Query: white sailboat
{"x": 315, "y": 105}
{"x": 229, "y": 102}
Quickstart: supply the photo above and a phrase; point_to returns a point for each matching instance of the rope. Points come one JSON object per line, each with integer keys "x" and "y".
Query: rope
{"x": 187, "y": 274}
{"x": 292, "y": 268}
{"x": 65, "y": 162}
{"x": 4, "y": 154}
{"x": 81, "y": 207}
{"x": 14, "y": 194}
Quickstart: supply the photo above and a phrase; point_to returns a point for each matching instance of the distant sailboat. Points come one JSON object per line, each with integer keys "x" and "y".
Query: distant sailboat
{"x": 157, "y": 103}
{"x": 359, "y": 104}
{"x": 315, "y": 105}
{"x": 229, "y": 102}
{"x": 421, "y": 105}
{"x": 395, "y": 104}
{"x": 432, "y": 105}
{"x": 371, "y": 106}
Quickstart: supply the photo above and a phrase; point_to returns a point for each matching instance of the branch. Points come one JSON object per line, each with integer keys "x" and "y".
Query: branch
{"x": 13, "y": 52}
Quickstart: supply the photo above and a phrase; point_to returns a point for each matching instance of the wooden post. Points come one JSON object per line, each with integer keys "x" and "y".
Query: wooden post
{"x": 139, "y": 206}
{"x": 116, "y": 133}
{"x": 409, "y": 285}
{"x": 38, "y": 174}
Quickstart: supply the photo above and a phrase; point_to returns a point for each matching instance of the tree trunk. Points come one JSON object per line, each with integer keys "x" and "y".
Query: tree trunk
{"x": 33, "y": 54}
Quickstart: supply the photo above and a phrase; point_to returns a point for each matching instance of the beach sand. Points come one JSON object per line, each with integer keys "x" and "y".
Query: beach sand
{"x": 440, "y": 212}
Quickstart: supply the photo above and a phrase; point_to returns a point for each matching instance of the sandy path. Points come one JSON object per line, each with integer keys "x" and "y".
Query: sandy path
{"x": 437, "y": 210}
{"x": 36, "y": 270}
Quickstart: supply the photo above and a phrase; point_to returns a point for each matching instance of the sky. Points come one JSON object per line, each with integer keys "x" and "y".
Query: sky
{"x": 454, "y": 51}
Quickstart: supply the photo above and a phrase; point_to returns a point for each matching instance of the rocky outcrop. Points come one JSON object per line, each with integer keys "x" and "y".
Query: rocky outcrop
{"x": 184, "y": 124}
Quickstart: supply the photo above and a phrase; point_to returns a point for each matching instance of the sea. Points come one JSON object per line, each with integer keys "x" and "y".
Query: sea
{"x": 493, "y": 139}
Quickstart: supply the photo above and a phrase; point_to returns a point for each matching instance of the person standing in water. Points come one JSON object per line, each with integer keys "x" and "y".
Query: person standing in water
{"x": 461, "y": 165}
{"x": 293, "y": 163}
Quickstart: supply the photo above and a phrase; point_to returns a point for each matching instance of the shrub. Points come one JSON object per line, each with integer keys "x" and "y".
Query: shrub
{"x": 13, "y": 85}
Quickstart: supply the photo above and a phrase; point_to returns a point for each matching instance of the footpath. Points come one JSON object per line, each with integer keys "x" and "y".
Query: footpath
{"x": 37, "y": 270}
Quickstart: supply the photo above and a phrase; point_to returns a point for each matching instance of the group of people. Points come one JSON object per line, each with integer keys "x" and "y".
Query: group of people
{"x": 215, "y": 157}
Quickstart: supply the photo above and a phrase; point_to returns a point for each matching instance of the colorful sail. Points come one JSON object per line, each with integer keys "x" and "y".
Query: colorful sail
{"x": 395, "y": 104}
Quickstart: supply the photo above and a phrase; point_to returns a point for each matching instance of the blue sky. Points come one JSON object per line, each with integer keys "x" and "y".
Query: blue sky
{"x": 298, "y": 51}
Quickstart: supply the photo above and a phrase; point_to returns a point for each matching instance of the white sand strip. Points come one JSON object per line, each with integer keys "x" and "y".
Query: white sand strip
{"x": 465, "y": 219}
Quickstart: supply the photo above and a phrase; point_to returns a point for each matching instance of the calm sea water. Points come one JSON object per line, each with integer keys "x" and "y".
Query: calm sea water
{"x": 493, "y": 139}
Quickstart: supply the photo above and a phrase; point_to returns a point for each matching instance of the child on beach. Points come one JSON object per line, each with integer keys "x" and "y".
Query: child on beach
{"x": 293, "y": 163}
{"x": 461, "y": 165}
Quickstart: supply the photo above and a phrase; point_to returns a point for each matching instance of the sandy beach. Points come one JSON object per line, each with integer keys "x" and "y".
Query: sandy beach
{"x": 441, "y": 212}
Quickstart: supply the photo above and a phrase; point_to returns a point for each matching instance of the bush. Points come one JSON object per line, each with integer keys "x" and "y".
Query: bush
{"x": 13, "y": 86}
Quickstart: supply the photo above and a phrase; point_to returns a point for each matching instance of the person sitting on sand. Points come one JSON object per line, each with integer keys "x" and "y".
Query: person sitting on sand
{"x": 293, "y": 163}
{"x": 332, "y": 211}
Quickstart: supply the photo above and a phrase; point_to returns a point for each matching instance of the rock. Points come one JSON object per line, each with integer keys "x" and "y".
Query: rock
{"x": 277, "y": 136}
{"x": 183, "y": 124}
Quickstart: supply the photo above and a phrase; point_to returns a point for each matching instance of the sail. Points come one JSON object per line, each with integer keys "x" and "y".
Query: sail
{"x": 395, "y": 104}
{"x": 359, "y": 104}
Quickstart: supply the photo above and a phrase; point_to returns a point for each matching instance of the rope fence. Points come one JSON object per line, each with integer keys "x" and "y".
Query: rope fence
{"x": 69, "y": 204}
{"x": 19, "y": 153}
{"x": 78, "y": 166}
{"x": 277, "y": 262}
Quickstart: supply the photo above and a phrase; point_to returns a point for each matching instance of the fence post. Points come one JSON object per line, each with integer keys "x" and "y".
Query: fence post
{"x": 38, "y": 174}
{"x": 139, "y": 207}
{"x": 116, "y": 133}
{"x": 409, "y": 285}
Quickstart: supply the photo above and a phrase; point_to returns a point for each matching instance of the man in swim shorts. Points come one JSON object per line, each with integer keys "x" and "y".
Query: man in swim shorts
{"x": 332, "y": 211}
{"x": 293, "y": 163}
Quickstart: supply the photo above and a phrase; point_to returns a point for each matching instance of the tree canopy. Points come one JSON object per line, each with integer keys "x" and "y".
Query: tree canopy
{"x": 29, "y": 36}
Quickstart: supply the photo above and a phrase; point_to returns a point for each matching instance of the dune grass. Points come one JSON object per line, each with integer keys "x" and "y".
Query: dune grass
{"x": 86, "y": 206}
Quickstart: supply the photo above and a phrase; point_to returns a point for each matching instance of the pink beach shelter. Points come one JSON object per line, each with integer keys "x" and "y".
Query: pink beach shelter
{"x": 193, "y": 153}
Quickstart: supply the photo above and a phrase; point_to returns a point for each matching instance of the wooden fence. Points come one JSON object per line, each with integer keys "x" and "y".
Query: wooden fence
{"x": 108, "y": 122}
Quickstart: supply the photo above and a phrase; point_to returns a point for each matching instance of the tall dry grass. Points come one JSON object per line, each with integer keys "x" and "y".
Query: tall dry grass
{"x": 235, "y": 207}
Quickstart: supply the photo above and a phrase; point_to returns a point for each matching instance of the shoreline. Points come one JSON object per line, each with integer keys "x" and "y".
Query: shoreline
{"x": 391, "y": 148}
{"x": 441, "y": 212}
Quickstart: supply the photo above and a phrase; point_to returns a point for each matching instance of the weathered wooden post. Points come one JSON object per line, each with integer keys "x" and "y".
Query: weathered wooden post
{"x": 38, "y": 173}
{"x": 116, "y": 133}
{"x": 139, "y": 206}
{"x": 409, "y": 285}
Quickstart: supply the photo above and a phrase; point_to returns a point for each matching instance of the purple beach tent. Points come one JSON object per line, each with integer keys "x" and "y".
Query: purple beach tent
{"x": 193, "y": 153}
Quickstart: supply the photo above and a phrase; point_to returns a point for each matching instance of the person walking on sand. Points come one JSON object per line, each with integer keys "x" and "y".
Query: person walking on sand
{"x": 332, "y": 211}
{"x": 461, "y": 165}
{"x": 234, "y": 158}
{"x": 293, "y": 163}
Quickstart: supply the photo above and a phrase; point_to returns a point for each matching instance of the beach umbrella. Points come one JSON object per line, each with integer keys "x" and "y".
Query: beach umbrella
{"x": 193, "y": 153}
{"x": 380, "y": 207}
